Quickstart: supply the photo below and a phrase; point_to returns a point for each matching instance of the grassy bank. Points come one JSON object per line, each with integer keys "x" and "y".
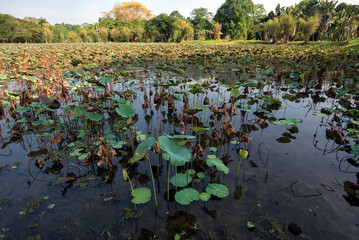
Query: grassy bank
{"x": 354, "y": 43}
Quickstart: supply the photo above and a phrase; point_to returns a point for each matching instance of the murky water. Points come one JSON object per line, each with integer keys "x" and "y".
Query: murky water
{"x": 303, "y": 174}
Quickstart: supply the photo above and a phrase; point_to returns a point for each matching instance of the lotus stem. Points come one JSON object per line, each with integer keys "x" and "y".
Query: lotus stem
{"x": 168, "y": 180}
{"x": 239, "y": 165}
{"x": 153, "y": 182}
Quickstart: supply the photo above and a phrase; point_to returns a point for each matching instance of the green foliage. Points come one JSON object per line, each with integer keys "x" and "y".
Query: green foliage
{"x": 125, "y": 111}
{"x": 182, "y": 30}
{"x": 145, "y": 145}
{"x": 235, "y": 15}
{"x": 218, "y": 190}
{"x": 288, "y": 25}
{"x": 178, "y": 154}
{"x": 141, "y": 195}
{"x": 181, "y": 179}
{"x": 186, "y": 196}
{"x": 309, "y": 26}
{"x": 273, "y": 29}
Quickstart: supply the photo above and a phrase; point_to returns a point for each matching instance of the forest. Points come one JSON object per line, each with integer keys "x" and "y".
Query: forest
{"x": 309, "y": 20}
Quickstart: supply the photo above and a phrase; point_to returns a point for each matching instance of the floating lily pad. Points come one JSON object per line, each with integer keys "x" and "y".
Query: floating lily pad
{"x": 201, "y": 175}
{"x": 186, "y": 196}
{"x": 218, "y": 190}
{"x": 181, "y": 179}
{"x": 288, "y": 121}
{"x": 204, "y": 196}
{"x": 141, "y": 195}
{"x": 320, "y": 114}
{"x": 213, "y": 149}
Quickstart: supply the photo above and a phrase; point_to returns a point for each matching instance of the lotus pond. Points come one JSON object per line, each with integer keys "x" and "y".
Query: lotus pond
{"x": 175, "y": 141}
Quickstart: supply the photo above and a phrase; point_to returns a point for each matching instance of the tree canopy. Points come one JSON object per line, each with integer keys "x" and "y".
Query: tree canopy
{"x": 234, "y": 15}
{"x": 128, "y": 11}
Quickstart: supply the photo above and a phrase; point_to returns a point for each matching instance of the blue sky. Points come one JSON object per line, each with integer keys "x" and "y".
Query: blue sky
{"x": 80, "y": 11}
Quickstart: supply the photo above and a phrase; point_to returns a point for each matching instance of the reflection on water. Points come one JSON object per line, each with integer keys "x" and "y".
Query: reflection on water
{"x": 298, "y": 171}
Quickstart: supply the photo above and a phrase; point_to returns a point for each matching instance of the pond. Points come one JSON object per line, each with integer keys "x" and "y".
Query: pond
{"x": 175, "y": 150}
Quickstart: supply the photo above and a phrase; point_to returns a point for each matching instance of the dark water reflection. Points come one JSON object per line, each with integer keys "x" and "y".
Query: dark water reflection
{"x": 291, "y": 175}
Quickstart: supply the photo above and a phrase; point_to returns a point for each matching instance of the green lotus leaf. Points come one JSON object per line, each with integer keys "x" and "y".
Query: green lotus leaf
{"x": 235, "y": 92}
{"x": 181, "y": 179}
{"x": 218, "y": 190}
{"x": 204, "y": 196}
{"x": 201, "y": 175}
{"x": 213, "y": 149}
{"x": 186, "y": 196}
{"x": 137, "y": 156}
{"x": 125, "y": 111}
{"x": 219, "y": 165}
{"x": 145, "y": 145}
{"x": 94, "y": 117}
{"x": 141, "y": 195}
{"x": 320, "y": 114}
{"x": 178, "y": 155}
{"x": 22, "y": 109}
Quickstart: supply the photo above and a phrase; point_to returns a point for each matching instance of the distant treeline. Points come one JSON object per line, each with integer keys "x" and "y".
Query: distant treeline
{"x": 234, "y": 19}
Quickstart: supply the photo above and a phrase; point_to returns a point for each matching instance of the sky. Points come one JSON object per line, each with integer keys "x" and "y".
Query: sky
{"x": 89, "y": 11}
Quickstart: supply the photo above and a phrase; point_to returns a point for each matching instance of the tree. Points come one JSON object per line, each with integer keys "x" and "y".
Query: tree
{"x": 8, "y": 28}
{"x": 115, "y": 34}
{"x": 42, "y": 22}
{"x": 201, "y": 13}
{"x": 127, "y": 32}
{"x": 128, "y": 11}
{"x": 235, "y": 15}
{"x": 151, "y": 32}
{"x": 288, "y": 25}
{"x": 83, "y": 35}
{"x": 217, "y": 31}
{"x": 62, "y": 37}
{"x": 103, "y": 34}
{"x": 48, "y": 35}
{"x": 201, "y": 20}
{"x": 164, "y": 25}
{"x": 347, "y": 22}
{"x": 273, "y": 28}
{"x": 138, "y": 32}
{"x": 182, "y": 30}
{"x": 309, "y": 26}
{"x": 73, "y": 37}
{"x": 176, "y": 14}
{"x": 255, "y": 27}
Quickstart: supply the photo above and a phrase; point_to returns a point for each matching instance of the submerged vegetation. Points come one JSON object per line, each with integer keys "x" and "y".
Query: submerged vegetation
{"x": 181, "y": 122}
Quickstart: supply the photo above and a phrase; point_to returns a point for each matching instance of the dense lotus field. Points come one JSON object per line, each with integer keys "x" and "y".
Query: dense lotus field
{"x": 177, "y": 141}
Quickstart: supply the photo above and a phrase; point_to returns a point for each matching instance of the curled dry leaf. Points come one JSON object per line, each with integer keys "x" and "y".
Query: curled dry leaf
{"x": 206, "y": 101}
{"x": 232, "y": 111}
{"x": 228, "y": 128}
{"x": 39, "y": 163}
{"x": 244, "y": 138}
{"x": 198, "y": 152}
{"x": 57, "y": 138}
{"x": 106, "y": 154}
{"x": 87, "y": 108}
{"x": 215, "y": 136}
{"x": 156, "y": 148}
{"x": 260, "y": 121}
